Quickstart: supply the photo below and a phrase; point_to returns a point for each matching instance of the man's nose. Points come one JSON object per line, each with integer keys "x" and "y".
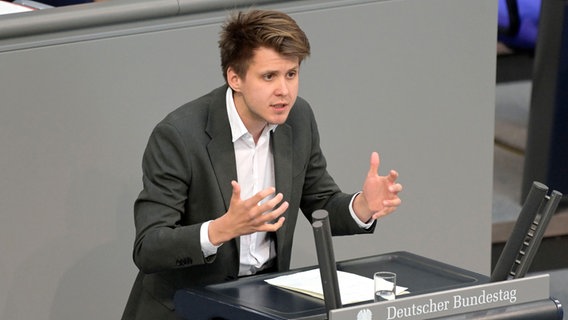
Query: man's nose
{"x": 282, "y": 87}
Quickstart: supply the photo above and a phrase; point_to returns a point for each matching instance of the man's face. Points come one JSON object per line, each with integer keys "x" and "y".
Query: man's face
{"x": 268, "y": 91}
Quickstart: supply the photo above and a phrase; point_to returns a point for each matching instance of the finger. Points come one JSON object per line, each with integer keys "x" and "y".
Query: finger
{"x": 236, "y": 190}
{"x": 270, "y": 217}
{"x": 261, "y": 195}
{"x": 267, "y": 206}
{"x": 270, "y": 204}
{"x": 274, "y": 212}
{"x": 374, "y": 164}
{"x": 383, "y": 213}
{"x": 393, "y": 175}
{"x": 392, "y": 203}
{"x": 395, "y": 188}
{"x": 272, "y": 227}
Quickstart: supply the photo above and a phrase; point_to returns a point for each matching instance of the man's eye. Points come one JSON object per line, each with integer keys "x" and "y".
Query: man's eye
{"x": 292, "y": 74}
{"x": 268, "y": 76}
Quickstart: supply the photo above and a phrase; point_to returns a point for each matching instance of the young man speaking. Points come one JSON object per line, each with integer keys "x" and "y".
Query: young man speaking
{"x": 226, "y": 175}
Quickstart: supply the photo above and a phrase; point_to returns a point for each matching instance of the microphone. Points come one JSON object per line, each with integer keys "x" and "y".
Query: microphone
{"x": 326, "y": 260}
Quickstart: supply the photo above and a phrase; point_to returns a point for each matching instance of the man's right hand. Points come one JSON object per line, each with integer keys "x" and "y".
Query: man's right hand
{"x": 248, "y": 216}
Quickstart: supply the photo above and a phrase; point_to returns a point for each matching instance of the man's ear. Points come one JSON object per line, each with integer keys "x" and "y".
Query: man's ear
{"x": 233, "y": 79}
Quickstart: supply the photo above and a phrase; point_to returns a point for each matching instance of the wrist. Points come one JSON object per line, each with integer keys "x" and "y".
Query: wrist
{"x": 219, "y": 232}
{"x": 361, "y": 208}
{"x": 207, "y": 247}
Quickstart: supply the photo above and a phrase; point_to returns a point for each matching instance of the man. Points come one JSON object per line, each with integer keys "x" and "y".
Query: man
{"x": 225, "y": 175}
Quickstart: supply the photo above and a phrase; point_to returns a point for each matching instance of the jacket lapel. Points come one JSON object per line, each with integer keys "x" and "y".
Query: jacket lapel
{"x": 220, "y": 148}
{"x": 283, "y": 155}
{"x": 222, "y": 155}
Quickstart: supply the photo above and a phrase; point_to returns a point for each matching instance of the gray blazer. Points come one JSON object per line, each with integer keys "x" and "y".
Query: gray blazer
{"x": 188, "y": 166}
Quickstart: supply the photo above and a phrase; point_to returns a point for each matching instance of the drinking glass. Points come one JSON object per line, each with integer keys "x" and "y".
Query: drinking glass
{"x": 385, "y": 286}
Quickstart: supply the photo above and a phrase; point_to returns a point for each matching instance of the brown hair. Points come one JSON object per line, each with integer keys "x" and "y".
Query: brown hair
{"x": 244, "y": 32}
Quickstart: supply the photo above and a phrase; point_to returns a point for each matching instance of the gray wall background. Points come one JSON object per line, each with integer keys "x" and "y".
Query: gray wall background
{"x": 412, "y": 79}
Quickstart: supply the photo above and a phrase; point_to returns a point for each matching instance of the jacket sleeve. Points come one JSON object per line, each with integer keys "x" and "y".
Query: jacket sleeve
{"x": 161, "y": 242}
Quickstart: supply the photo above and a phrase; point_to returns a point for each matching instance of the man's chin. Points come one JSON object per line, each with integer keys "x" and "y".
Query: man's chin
{"x": 278, "y": 120}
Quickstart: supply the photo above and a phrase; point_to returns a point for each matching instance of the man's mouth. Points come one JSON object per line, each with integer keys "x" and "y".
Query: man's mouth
{"x": 279, "y": 106}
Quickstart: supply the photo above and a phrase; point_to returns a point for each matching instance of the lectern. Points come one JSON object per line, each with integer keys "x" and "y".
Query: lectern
{"x": 251, "y": 298}
{"x": 437, "y": 291}
{"x": 430, "y": 282}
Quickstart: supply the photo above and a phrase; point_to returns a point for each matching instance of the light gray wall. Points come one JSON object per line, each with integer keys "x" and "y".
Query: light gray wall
{"x": 412, "y": 79}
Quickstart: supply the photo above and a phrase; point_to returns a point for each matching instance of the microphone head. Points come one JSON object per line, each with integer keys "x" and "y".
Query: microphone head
{"x": 320, "y": 214}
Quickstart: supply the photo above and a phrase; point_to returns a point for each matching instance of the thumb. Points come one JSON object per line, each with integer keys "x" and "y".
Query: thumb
{"x": 236, "y": 190}
{"x": 374, "y": 164}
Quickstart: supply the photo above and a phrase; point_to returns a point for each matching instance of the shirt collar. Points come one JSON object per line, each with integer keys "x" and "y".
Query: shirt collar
{"x": 238, "y": 128}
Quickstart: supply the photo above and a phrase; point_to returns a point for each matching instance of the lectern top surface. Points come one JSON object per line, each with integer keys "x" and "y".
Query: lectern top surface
{"x": 264, "y": 301}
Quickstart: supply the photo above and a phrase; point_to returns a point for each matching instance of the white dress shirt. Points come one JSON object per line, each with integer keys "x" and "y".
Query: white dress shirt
{"x": 255, "y": 172}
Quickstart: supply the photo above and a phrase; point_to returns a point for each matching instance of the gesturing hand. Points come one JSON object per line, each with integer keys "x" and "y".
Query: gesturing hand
{"x": 380, "y": 193}
{"x": 248, "y": 216}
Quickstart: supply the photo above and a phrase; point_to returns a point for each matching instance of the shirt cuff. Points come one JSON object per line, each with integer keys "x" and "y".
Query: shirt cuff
{"x": 207, "y": 247}
{"x": 360, "y": 223}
